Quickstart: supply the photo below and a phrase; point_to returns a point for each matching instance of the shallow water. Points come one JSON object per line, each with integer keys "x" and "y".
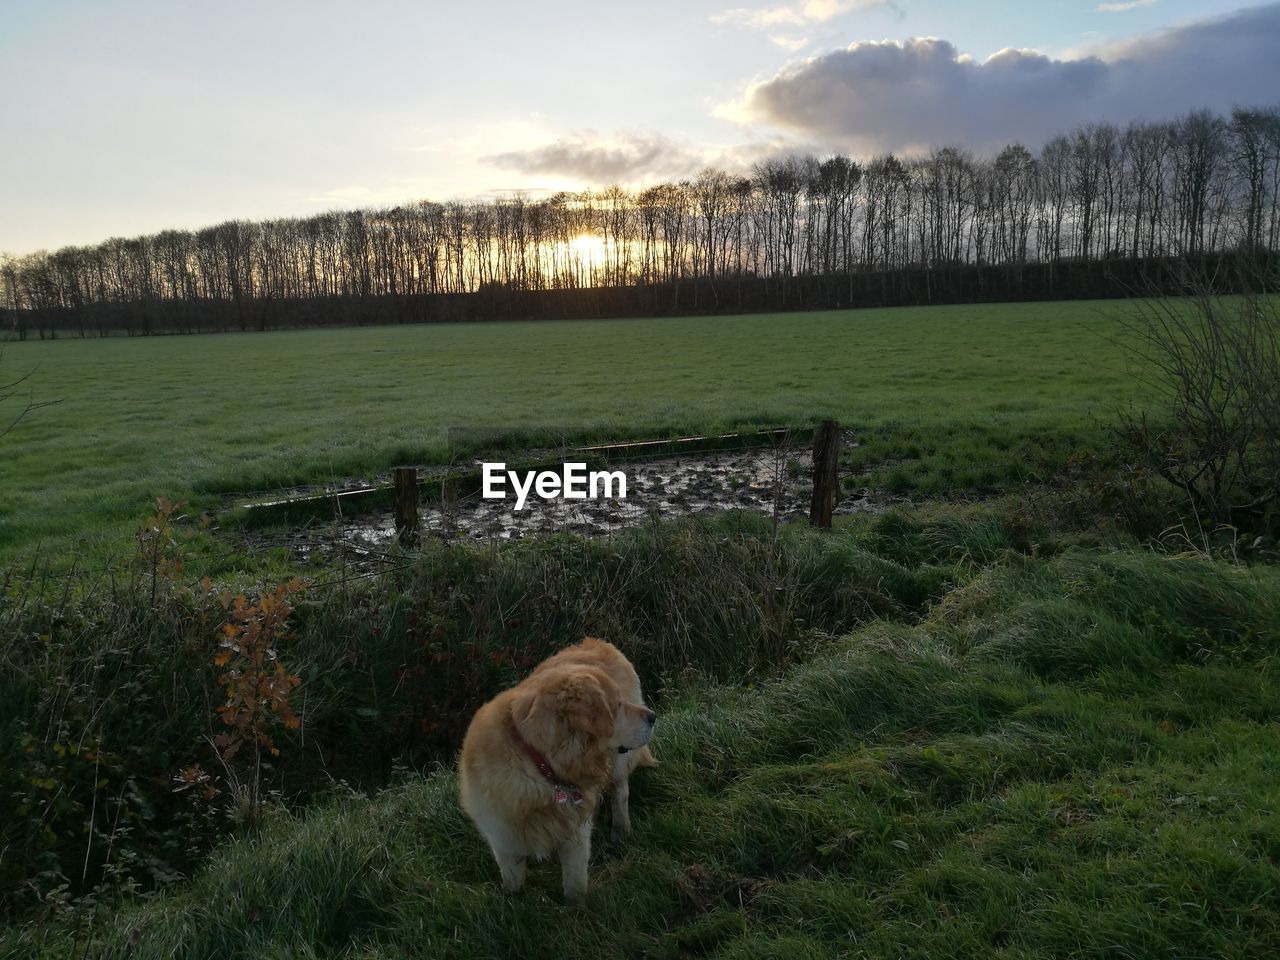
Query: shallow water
{"x": 665, "y": 487}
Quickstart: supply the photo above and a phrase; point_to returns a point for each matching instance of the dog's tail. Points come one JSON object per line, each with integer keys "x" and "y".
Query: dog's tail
{"x": 644, "y": 758}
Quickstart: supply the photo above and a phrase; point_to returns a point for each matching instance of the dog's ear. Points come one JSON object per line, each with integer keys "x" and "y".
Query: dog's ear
{"x": 585, "y": 703}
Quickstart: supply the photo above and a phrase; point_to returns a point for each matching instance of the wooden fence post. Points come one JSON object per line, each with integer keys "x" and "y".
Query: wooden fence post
{"x": 405, "y": 482}
{"x": 826, "y": 455}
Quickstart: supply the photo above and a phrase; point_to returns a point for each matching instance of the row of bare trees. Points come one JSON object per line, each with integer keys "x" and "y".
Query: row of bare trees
{"x": 1194, "y": 185}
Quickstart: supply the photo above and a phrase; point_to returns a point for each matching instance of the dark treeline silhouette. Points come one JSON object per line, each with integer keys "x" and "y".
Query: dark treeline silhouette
{"x": 1098, "y": 212}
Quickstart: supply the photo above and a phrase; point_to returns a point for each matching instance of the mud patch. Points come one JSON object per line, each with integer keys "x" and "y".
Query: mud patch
{"x": 661, "y": 488}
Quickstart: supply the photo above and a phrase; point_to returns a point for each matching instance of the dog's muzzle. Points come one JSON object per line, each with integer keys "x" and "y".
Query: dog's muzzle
{"x": 652, "y": 718}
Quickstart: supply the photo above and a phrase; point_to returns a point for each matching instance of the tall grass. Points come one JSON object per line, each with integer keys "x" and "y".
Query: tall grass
{"x": 1071, "y": 754}
{"x": 106, "y": 694}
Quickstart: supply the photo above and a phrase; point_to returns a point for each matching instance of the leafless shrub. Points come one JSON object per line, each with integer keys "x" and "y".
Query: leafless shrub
{"x": 1213, "y": 431}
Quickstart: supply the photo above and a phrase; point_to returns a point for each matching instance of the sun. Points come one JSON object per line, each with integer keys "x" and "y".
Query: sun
{"x": 588, "y": 248}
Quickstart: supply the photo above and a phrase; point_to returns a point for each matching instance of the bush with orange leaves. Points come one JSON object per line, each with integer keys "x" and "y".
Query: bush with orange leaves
{"x": 257, "y": 686}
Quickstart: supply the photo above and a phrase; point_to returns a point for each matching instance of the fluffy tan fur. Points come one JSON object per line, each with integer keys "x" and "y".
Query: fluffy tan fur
{"x": 600, "y": 654}
{"x": 578, "y": 709}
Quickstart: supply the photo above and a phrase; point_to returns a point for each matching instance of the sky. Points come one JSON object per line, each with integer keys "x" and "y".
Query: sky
{"x": 131, "y": 116}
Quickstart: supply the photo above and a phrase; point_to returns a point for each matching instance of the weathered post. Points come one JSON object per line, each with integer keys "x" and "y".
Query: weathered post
{"x": 404, "y": 480}
{"x": 826, "y": 454}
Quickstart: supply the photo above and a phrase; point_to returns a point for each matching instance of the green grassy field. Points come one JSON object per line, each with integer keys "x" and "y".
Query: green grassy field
{"x": 1000, "y": 728}
{"x": 966, "y": 389}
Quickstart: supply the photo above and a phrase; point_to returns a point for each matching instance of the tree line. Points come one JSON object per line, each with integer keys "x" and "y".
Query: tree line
{"x": 795, "y": 231}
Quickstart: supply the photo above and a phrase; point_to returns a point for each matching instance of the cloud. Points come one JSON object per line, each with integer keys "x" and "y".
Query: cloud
{"x": 592, "y": 159}
{"x": 924, "y": 92}
{"x": 796, "y": 15}
{"x": 790, "y": 44}
{"x": 1128, "y": 5}
{"x": 635, "y": 160}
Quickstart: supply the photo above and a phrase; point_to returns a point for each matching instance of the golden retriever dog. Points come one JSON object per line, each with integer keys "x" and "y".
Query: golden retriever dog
{"x": 537, "y": 759}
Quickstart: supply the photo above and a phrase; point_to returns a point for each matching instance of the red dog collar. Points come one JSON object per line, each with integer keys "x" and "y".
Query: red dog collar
{"x": 565, "y": 792}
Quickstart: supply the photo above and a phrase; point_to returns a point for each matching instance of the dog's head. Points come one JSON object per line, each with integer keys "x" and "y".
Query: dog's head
{"x": 584, "y": 702}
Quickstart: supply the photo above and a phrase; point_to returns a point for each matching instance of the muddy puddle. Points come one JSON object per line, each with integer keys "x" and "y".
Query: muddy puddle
{"x": 664, "y": 488}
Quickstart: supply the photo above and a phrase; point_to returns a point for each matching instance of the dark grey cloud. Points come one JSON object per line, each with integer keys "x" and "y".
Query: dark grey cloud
{"x": 599, "y": 160}
{"x": 596, "y": 160}
{"x": 924, "y": 92}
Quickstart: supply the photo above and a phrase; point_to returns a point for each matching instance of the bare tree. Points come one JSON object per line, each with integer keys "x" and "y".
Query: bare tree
{"x": 1055, "y": 167}
{"x": 1145, "y": 147}
{"x": 1255, "y": 149}
{"x": 1016, "y": 175}
{"x": 1198, "y": 148}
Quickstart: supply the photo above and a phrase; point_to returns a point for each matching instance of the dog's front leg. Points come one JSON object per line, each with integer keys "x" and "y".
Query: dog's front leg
{"x": 575, "y": 853}
{"x": 621, "y": 796}
{"x": 513, "y": 866}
